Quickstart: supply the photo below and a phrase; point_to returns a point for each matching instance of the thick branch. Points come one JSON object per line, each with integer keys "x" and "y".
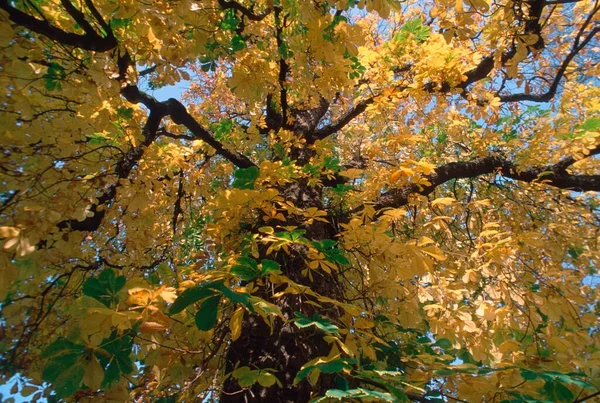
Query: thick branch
{"x": 89, "y": 41}
{"x": 483, "y": 69}
{"x": 225, "y": 5}
{"x": 78, "y": 16}
{"x": 283, "y": 68}
{"x": 122, "y": 170}
{"x": 552, "y": 175}
{"x": 341, "y": 122}
{"x": 178, "y": 113}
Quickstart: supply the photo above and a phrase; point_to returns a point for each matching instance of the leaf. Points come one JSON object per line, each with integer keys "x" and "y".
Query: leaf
{"x": 69, "y": 380}
{"x": 246, "y": 268}
{"x": 235, "y": 323}
{"x": 190, "y": 296}
{"x": 269, "y": 266}
{"x": 93, "y": 374}
{"x": 222, "y": 128}
{"x": 206, "y": 318}
{"x": 322, "y": 323}
{"x": 151, "y": 327}
{"x": 117, "y": 358}
{"x": 558, "y": 392}
{"x": 444, "y": 343}
{"x": 267, "y": 379}
{"x": 65, "y": 367}
{"x": 325, "y": 365}
{"x": 236, "y": 297}
{"x": 414, "y": 28}
{"x": 244, "y": 178}
{"x": 443, "y": 201}
{"x": 105, "y": 287}
{"x": 359, "y": 393}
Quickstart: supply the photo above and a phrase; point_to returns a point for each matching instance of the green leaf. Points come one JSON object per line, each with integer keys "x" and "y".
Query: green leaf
{"x": 590, "y": 125}
{"x": 119, "y": 362}
{"x": 269, "y": 266}
{"x": 206, "y": 318}
{"x": 355, "y": 394}
{"x": 558, "y": 392}
{"x": 125, "y": 112}
{"x": 230, "y": 21}
{"x": 237, "y": 43}
{"x": 322, "y": 323}
{"x": 415, "y": 28}
{"x": 105, "y": 287}
{"x": 61, "y": 347}
{"x": 69, "y": 380}
{"x": 116, "y": 23}
{"x": 284, "y": 50}
{"x": 574, "y": 252}
{"x": 246, "y": 273}
{"x": 444, "y": 372}
{"x": 222, "y": 128}
{"x": 341, "y": 382}
{"x": 444, "y": 343}
{"x": 54, "y": 75}
{"x": 64, "y": 369}
{"x": 329, "y": 367}
{"x": 244, "y": 178}
{"x": 190, "y": 296}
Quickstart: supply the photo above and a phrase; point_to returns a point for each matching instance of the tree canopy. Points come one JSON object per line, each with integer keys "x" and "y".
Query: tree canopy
{"x": 351, "y": 200}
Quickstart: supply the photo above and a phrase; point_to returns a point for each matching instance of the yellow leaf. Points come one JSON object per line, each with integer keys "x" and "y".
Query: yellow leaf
{"x": 509, "y": 346}
{"x": 94, "y": 374}
{"x": 443, "y": 201}
{"x": 155, "y": 42}
{"x": 267, "y": 230}
{"x": 425, "y": 241}
{"x": 151, "y": 327}
{"x": 395, "y": 176}
{"x": 362, "y": 323}
{"x": 9, "y": 232}
{"x": 434, "y": 252}
{"x": 235, "y": 323}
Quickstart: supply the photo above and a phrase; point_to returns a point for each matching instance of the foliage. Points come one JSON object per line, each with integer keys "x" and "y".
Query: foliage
{"x": 367, "y": 200}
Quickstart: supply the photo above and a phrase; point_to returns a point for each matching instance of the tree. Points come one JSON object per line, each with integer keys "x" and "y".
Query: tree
{"x": 352, "y": 200}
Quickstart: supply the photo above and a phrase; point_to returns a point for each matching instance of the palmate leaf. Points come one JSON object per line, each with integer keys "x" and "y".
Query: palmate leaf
{"x": 105, "y": 287}
{"x": 66, "y": 362}
{"x": 246, "y": 268}
{"x": 206, "y": 317}
{"x": 192, "y": 295}
{"x": 119, "y": 362}
{"x": 361, "y": 394}
{"x": 244, "y": 178}
{"x": 321, "y": 323}
{"x": 327, "y": 366}
{"x": 65, "y": 366}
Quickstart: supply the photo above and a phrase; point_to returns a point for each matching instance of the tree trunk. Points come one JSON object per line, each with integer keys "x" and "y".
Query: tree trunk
{"x": 286, "y": 348}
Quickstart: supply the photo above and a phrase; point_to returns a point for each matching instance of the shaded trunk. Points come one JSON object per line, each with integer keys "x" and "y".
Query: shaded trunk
{"x": 286, "y": 348}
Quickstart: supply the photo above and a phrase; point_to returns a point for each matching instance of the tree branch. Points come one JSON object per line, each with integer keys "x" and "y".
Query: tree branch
{"x": 225, "y": 5}
{"x": 548, "y": 95}
{"x": 283, "y": 68}
{"x": 552, "y": 175}
{"x": 90, "y": 41}
{"x": 78, "y": 16}
{"x": 341, "y": 122}
{"x": 122, "y": 170}
{"x": 179, "y": 114}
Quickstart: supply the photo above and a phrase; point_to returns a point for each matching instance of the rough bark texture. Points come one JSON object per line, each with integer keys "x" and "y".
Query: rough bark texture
{"x": 286, "y": 348}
